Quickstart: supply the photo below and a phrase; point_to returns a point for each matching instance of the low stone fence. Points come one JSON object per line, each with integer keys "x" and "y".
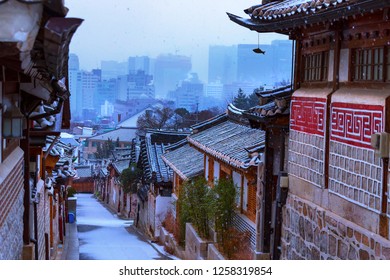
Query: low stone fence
{"x": 213, "y": 253}
{"x": 195, "y": 247}
{"x": 170, "y": 245}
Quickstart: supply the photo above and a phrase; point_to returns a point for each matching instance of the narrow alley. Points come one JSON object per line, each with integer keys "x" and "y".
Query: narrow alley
{"x": 104, "y": 236}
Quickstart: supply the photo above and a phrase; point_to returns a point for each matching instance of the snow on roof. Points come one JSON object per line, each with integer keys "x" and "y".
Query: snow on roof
{"x": 281, "y": 16}
{"x": 227, "y": 141}
{"x": 124, "y": 135}
{"x": 185, "y": 161}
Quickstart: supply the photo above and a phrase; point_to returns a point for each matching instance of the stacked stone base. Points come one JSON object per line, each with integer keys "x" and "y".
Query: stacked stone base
{"x": 314, "y": 233}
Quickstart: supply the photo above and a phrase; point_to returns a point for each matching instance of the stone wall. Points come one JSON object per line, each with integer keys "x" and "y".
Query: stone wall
{"x": 11, "y": 232}
{"x": 306, "y": 157}
{"x": 213, "y": 253}
{"x": 312, "y": 232}
{"x": 42, "y": 215}
{"x": 196, "y": 248}
{"x": 356, "y": 175}
{"x": 11, "y": 206}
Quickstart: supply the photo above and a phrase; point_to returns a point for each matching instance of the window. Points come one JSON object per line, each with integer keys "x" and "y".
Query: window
{"x": 371, "y": 64}
{"x": 315, "y": 67}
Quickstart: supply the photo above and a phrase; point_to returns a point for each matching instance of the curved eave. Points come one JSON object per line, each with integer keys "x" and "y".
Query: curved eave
{"x": 256, "y": 26}
{"x": 286, "y": 24}
{"x": 57, "y": 7}
{"x": 58, "y": 34}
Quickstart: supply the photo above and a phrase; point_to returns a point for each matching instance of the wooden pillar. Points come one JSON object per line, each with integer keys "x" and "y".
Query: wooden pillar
{"x": 297, "y": 63}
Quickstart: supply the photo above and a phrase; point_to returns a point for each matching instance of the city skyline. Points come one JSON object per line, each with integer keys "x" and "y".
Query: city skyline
{"x": 137, "y": 28}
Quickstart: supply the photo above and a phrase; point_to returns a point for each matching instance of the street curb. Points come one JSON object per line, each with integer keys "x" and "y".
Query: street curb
{"x": 71, "y": 243}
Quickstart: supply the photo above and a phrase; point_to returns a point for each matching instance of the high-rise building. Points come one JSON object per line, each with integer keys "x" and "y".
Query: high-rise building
{"x": 106, "y": 109}
{"x": 89, "y": 81}
{"x": 252, "y": 67}
{"x": 222, "y": 64}
{"x": 106, "y": 91}
{"x": 139, "y": 63}
{"x": 214, "y": 89}
{"x": 135, "y": 86}
{"x": 282, "y": 57}
{"x": 269, "y": 68}
{"x": 239, "y": 64}
{"x": 169, "y": 70}
{"x": 73, "y": 63}
{"x": 112, "y": 69}
{"x": 189, "y": 93}
{"x": 75, "y": 86}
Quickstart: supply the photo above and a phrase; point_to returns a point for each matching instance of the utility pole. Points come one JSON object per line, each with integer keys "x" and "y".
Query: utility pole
{"x": 196, "y": 113}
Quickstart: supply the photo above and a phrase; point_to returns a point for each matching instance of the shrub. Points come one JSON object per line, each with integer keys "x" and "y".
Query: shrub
{"x": 196, "y": 205}
{"x": 237, "y": 245}
{"x": 129, "y": 178}
{"x": 71, "y": 191}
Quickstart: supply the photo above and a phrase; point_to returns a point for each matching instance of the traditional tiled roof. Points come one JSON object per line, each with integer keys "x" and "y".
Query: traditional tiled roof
{"x": 59, "y": 148}
{"x": 273, "y": 103}
{"x": 124, "y": 135}
{"x": 84, "y": 171}
{"x": 122, "y": 153}
{"x": 35, "y": 39}
{"x": 184, "y": 160}
{"x": 229, "y": 141}
{"x": 121, "y": 165}
{"x": 153, "y": 145}
{"x": 282, "y": 16}
{"x": 209, "y": 123}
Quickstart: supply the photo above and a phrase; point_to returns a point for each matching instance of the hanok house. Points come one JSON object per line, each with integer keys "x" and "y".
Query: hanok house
{"x": 57, "y": 158}
{"x": 34, "y": 44}
{"x": 338, "y": 204}
{"x": 83, "y": 181}
{"x": 123, "y": 203}
{"x": 122, "y": 136}
{"x": 187, "y": 163}
{"x": 155, "y": 190}
{"x": 232, "y": 149}
{"x": 272, "y": 116}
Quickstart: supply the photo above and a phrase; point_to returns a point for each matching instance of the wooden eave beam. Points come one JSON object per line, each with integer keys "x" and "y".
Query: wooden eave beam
{"x": 288, "y": 24}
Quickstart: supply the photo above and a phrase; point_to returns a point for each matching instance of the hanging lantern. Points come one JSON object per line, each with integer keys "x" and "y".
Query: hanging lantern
{"x": 12, "y": 121}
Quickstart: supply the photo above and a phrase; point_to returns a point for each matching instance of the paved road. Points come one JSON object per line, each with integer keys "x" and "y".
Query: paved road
{"x": 103, "y": 236}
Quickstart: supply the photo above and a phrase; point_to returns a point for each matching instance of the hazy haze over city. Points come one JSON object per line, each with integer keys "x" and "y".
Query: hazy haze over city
{"x": 121, "y": 28}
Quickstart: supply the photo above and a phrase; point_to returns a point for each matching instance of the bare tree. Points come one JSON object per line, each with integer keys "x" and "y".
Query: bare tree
{"x": 157, "y": 118}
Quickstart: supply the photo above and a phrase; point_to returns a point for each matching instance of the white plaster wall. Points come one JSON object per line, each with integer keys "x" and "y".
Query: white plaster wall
{"x": 344, "y": 63}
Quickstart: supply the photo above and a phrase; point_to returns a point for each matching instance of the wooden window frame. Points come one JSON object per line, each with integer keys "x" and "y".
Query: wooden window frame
{"x": 369, "y": 65}
{"x": 315, "y": 67}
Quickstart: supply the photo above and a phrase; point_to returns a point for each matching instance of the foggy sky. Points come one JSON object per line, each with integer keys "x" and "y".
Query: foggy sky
{"x": 117, "y": 29}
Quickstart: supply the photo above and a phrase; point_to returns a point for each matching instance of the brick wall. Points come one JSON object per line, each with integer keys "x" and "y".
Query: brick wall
{"x": 306, "y": 157}
{"x": 312, "y": 232}
{"x": 356, "y": 175}
{"x": 307, "y": 138}
{"x": 11, "y": 231}
{"x": 41, "y": 217}
{"x": 11, "y": 206}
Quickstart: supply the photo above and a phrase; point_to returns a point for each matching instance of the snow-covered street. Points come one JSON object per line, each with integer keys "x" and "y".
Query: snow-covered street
{"x": 103, "y": 236}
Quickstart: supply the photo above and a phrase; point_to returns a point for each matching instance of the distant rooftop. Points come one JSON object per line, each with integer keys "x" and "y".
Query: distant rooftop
{"x": 124, "y": 135}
